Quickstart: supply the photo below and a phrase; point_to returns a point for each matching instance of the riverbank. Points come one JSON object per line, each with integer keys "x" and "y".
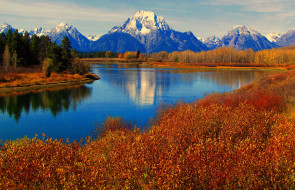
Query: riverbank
{"x": 20, "y": 82}
{"x": 149, "y": 63}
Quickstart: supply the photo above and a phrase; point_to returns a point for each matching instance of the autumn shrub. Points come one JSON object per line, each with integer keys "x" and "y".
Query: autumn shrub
{"x": 79, "y": 67}
{"x": 111, "y": 124}
{"x": 41, "y": 164}
{"x": 47, "y": 66}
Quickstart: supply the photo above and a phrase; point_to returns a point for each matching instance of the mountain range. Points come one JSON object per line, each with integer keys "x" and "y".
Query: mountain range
{"x": 147, "y": 32}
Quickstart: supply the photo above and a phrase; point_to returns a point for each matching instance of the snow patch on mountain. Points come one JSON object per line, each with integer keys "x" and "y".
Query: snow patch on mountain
{"x": 39, "y": 32}
{"x": 94, "y": 37}
{"x": 213, "y": 42}
{"x": 155, "y": 34}
{"x": 287, "y": 39}
{"x": 142, "y": 23}
{"x": 273, "y": 37}
{"x": 242, "y": 37}
{"x": 5, "y": 27}
{"x": 79, "y": 41}
{"x": 201, "y": 39}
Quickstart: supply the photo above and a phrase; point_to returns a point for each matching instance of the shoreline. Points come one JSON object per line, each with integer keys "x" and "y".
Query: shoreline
{"x": 189, "y": 65}
{"x": 8, "y": 90}
{"x": 26, "y": 87}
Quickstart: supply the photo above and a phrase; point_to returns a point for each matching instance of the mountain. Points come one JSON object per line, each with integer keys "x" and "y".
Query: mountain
{"x": 155, "y": 34}
{"x": 78, "y": 41}
{"x": 287, "y": 39}
{"x": 213, "y": 42}
{"x": 273, "y": 37}
{"x": 242, "y": 38}
{"x": 117, "y": 42}
{"x": 94, "y": 37}
{"x": 39, "y": 32}
{"x": 5, "y": 27}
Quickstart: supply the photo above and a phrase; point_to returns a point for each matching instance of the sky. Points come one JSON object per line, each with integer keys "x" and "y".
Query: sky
{"x": 203, "y": 17}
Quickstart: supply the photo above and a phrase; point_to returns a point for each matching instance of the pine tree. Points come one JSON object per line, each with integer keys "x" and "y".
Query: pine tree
{"x": 2, "y": 47}
{"x": 66, "y": 52}
{"x": 43, "y": 47}
{"x": 34, "y": 49}
{"x": 26, "y": 53}
{"x": 137, "y": 54}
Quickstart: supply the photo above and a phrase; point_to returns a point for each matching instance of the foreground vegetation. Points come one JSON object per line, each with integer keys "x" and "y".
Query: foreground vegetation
{"x": 239, "y": 140}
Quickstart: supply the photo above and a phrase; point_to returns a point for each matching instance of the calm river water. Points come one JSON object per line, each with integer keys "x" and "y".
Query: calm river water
{"x": 129, "y": 91}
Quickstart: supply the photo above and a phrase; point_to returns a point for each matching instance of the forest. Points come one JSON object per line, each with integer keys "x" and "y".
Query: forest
{"x": 22, "y": 51}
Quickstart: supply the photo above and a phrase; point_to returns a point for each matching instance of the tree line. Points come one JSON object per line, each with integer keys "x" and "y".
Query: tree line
{"x": 21, "y": 50}
{"x": 223, "y": 55}
{"x": 228, "y": 55}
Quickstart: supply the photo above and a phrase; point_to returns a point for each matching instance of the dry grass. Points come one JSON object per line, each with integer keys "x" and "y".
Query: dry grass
{"x": 30, "y": 79}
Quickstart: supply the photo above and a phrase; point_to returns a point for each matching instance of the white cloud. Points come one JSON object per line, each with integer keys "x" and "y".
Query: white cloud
{"x": 50, "y": 10}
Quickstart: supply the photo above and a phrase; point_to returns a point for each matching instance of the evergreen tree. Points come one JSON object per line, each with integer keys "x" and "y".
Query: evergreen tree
{"x": 43, "y": 47}
{"x": 26, "y": 53}
{"x": 137, "y": 54}
{"x": 54, "y": 53}
{"x": 66, "y": 52}
{"x": 34, "y": 49}
{"x": 2, "y": 47}
{"x": 16, "y": 48}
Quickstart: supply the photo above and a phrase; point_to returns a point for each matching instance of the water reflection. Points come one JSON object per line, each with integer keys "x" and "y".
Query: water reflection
{"x": 54, "y": 101}
{"x": 149, "y": 86}
{"x": 236, "y": 78}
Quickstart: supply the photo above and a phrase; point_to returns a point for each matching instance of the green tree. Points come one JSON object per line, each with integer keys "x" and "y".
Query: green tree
{"x": 137, "y": 54}
{"x": 25, "y": 51}
{"x": 54, "y": 53}
{"x": 66, "y": 53}
{"x": 2, "y": 47}
{"x": 34, "y": 49}
{"x": 44, "y": 44}
{"x": 108, "y": 54}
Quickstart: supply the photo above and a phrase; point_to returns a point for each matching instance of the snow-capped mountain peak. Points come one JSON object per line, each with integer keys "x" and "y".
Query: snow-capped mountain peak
{"x": 242, "y": 37}
{"x": 39, "y": 32}
{"x": 5, "y": 27}
{"x": 62, "y": 27}
{"x": 244, "y": 30}
{"x": 272, "y": 37}
{"x": 78, "y": 41}
{"x": 142, "y": 23}
{"x": 213, "y": 39}
{"x": 213, "y": 42}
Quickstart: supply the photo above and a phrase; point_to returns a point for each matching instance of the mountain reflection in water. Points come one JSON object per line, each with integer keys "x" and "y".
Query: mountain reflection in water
{"x": 146, "y": 87}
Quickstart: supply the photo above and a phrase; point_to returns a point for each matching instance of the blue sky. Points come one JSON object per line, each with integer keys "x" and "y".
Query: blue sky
{"x": 203, "y": 18}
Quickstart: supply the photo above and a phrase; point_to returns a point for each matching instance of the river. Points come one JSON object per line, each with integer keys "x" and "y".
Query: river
{"x": 126, "y": 90}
